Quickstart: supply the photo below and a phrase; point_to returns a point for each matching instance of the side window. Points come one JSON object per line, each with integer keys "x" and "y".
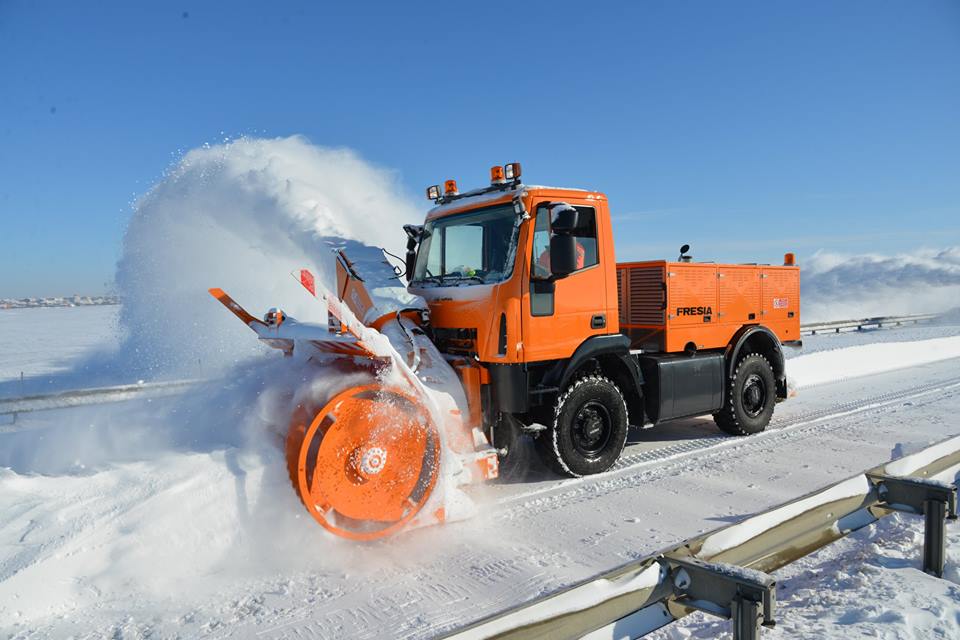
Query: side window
{"x": 541, "y": 289}
{"x": 433, "y": 254}
{"x": 585, "y": 233}
{"x": 540, "y": 263}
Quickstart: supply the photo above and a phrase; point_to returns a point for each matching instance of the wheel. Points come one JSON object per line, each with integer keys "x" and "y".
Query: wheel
{"x": 589, "y": 428}
{"x": 750, "y": 398}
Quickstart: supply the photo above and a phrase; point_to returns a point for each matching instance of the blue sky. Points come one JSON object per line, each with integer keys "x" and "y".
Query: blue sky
{"x": 743, "y": 128}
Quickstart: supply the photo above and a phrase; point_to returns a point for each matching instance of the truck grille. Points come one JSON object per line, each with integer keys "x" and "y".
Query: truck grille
{"x": 455, "y": 341}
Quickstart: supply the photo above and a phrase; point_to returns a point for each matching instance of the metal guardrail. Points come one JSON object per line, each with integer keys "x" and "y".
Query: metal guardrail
{"x": 98, "y": 395}
{"x": 878, "y": 322}
{"x": 724, "y": 572}
{"x": 119, "y": 393}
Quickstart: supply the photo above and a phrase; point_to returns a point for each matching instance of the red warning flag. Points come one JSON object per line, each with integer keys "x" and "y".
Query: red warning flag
{"x": 306, "y": 279}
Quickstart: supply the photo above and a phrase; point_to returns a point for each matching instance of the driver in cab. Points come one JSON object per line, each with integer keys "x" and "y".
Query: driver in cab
{"x": 541, "y": 243}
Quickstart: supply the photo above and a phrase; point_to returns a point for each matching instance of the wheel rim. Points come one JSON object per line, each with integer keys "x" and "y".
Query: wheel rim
{"x": 592, "y": 429}
{"x": 753, "y": 397}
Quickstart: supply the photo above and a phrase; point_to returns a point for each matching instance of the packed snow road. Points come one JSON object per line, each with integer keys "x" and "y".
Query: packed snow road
{"x": 108, "y": 529}
{"x": 531, "y": 539}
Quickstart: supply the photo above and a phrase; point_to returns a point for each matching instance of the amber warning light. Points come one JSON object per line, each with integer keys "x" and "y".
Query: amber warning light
{"x": 450, "y": 188}
{"x": 496, "y": 175}
{"x": 789, "y": 259}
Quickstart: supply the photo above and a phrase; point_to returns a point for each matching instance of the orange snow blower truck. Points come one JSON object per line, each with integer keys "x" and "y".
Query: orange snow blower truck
{"x": 544, "y": 335}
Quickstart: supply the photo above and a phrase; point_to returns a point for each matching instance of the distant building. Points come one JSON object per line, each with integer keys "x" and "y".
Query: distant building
{"x": 75, "y": 300}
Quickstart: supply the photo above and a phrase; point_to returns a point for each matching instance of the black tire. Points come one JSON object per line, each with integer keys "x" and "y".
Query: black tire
{"x": 751, "y": 396}
{"x": 589, "y": 428}
{"x": 510, "y": 445}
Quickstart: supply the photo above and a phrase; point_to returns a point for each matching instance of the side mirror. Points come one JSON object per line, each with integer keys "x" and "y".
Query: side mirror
{"x": 410, "y": 264}
{"x": 563, "y": 255}
{"x": 563, "y": 218}
{"x": 414, "y": 232}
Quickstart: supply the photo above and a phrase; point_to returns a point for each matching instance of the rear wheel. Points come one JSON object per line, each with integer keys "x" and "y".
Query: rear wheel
{"x": 589, "y": 429}
{"x": 750, "y": 397}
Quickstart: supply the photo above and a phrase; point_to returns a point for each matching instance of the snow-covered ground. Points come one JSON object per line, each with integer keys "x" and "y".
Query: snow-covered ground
{"x": 42, "y": 341}
{"x": 868, "y": 585}
{"x": 175, "y": 516}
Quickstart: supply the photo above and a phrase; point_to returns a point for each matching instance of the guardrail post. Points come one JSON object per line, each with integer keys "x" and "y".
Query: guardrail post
{"x": 935, "y": 501}
{"x": 934, "y": 536}
{"x": 747, "y": 616}
{"x": 745, "y": 596}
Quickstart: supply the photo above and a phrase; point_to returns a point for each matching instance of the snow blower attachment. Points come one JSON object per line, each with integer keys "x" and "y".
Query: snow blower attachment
{"x": 516, "y": 323}
{"x": 365, "y": 460}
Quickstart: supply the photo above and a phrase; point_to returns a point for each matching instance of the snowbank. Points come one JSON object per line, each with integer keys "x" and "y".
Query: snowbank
{"x": 851, "y": 362}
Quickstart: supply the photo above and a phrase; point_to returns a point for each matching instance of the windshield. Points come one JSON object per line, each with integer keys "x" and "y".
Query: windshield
{"x": 468, "y": 248}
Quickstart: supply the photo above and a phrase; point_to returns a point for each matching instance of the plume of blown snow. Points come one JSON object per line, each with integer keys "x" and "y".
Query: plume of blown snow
{"x": 243, "y": 216}
{"x": 837, "y": 287}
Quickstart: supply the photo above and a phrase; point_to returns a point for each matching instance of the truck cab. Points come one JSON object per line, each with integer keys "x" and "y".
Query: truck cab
{"x": 484, "y": 267}
{"x": 526, "y": 301}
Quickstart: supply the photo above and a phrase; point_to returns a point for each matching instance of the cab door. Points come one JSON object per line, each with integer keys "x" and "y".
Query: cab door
{"x": 558, "y": 315}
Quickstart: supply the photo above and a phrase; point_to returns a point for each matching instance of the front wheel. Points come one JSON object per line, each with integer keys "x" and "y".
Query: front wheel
{"x": 589, "y": 428}
{"x": 748, "y": 405}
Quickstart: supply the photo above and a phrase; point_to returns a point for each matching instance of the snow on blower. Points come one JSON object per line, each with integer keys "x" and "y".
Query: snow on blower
{"x": 516, "y": 322}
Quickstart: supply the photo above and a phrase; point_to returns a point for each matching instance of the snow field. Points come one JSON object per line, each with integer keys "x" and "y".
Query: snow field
{"x": 44, "y": 341}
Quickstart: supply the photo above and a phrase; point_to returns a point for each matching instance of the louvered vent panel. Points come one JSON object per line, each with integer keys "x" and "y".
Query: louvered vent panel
{"x": 621, "y": 297}
{"x": 646, "y": 293}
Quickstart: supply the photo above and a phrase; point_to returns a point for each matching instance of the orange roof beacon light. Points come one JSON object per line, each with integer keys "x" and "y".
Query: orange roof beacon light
{"x": 497, "y": 175}
{"x": 789, "y": 259}
{"x": 512, "y": 171}
{"x": 433, "y": 192}
{"x": 450, "y": 188}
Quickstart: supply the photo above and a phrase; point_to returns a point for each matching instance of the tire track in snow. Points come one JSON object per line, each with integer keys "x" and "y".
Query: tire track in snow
{"x": 621, "y": 476}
